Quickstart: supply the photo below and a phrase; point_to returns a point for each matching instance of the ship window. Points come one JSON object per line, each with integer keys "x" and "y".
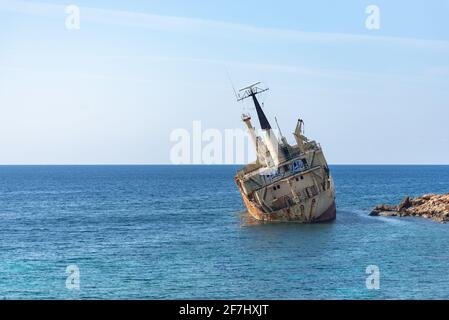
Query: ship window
{"x": 302, "y": 177}
{"x": 307, "y": 192}
{"x": 296, "y": 179}
{"x": 274, "y": 188}
{"x": 305, "y": 162}
{"x": 279, "y": 187}
{"x": 313, "y": 191}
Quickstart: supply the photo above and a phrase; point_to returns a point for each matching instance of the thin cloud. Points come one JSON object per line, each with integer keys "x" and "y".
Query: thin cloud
{"x": 195, "y": 25}
{"x": 279, "y": 68}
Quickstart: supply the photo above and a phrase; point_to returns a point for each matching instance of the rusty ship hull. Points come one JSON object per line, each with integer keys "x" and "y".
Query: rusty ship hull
{"x": 307, "y": 196}
{"x": 317, "y": 210}
{"x": 287, "y": 183}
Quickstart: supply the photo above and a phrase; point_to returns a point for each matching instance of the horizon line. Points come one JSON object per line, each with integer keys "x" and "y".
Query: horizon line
{"x": 199, "y": 164}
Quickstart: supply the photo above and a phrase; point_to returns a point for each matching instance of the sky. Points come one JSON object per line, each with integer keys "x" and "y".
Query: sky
{"x": 114, "y": 90}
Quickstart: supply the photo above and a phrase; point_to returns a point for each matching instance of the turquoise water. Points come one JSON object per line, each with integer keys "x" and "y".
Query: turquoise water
{"x": 162, "y": 232}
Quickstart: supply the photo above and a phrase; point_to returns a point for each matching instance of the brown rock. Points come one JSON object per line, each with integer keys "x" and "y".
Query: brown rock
{"x": 405, "y": 204}
{"x": 429, "y": 206}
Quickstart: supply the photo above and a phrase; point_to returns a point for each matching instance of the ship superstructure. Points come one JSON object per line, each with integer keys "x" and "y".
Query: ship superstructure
{"x": 286, "y": 182}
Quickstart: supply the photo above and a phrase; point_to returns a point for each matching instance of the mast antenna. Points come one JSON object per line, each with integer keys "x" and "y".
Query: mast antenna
{"x": 232, "y": 84}
{"x": 279, "y": 128}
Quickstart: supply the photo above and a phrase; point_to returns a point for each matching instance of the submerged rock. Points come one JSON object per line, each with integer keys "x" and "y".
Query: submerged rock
{"x": 429, "y": 206}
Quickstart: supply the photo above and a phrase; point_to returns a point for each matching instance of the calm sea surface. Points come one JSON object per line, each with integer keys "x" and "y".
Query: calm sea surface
{"x": 164, "y": 232}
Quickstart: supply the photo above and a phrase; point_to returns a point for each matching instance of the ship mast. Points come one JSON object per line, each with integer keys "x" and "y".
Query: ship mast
{"x": 252, "y": 91}
{"x": 270, "y": 139}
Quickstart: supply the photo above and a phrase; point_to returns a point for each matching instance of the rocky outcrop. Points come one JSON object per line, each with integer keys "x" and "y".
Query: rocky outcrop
{"x": 430, "y": 206}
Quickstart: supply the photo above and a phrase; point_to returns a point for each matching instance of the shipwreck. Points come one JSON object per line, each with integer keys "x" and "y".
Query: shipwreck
{"x": 286, "y": 182}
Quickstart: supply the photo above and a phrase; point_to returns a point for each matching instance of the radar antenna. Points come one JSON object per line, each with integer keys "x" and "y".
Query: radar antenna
{"x": 250, "y": 91}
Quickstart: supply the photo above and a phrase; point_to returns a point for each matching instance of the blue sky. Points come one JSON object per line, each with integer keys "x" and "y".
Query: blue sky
{"x": 113, "y": 91}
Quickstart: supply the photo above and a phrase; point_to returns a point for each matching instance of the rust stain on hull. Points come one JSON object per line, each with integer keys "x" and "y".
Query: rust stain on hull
{"x": 286, "y": 215}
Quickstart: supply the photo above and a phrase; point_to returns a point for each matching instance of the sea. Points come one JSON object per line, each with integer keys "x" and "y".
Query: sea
{"x": 176, "y": 232}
